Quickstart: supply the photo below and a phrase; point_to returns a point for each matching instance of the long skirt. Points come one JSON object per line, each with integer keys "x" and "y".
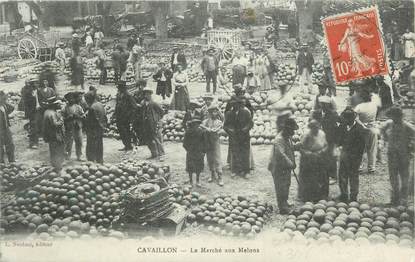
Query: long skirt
{"x": 313, "y": 178}
{"x": 266, "y": 83}
{"x": 195, "y": 162}
{"x": 180, "y": 100}
{"x": 240, "y": 154}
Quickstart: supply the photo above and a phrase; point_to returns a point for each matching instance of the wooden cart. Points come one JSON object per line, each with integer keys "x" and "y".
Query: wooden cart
{"x": 37, "y": 45}
{"x": 226, "y": 41}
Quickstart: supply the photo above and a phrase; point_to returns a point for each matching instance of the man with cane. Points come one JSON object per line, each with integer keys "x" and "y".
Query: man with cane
{"x": 282, "y": 163}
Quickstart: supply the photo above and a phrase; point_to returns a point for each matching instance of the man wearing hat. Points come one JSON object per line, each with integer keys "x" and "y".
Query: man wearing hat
{"x": 73, "y": 116}
{"x": 152, "y": 113}
{"x": 95, "y": 124}
{"x": 210, "y": 68}
{"x": 163, "y": 79}
{"x": 60, "y": 55}
{"x": 192, "y": 112}
{"x": 208, "y": 99}
{"x": 177, "y": 58}
{"x": 125, "y": 109}
{"x": 282, "y": 162}
{"x": 76, "y": 44}
{"x": 6, "y": 138}
{"x": 330, "y": 124}
{"x": 29, "y": 100}
{"x": 305, "y": 61}
{"x": 54, "y": 132}
{"x": 400, "y": 136}
{"x": 352, "y": 140}
{"x": 238, "y": 123}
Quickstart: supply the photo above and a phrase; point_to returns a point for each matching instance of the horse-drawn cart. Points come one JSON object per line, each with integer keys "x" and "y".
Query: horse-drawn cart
{"x": 37, "y": 45}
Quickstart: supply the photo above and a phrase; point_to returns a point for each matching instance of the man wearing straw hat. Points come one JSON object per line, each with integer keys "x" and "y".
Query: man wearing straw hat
{"x": 210, "y": 68}
{"x": 54, "y": 132}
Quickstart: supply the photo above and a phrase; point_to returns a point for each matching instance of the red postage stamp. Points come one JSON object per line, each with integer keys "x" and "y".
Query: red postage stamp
{"x": 355, "y": 44}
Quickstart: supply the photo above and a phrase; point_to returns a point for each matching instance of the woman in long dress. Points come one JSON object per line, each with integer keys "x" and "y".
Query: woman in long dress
{"x": 263, "y": 74}
{"x": 180, "y": 99}
{"x": 350, "y": 43}
{"x": 313, "y": 178}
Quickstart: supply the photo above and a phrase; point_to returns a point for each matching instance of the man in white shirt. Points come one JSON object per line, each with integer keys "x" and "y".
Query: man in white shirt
{"x": 366, "y": 113}
{"x": 239, "y": 64}
{"x": 60, "y": 55}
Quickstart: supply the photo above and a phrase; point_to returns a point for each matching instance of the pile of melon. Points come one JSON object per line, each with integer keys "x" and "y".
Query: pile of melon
{"x": 304, "y": 104}
{"x": 173, "y": 129}
{"x": 87, "y": 193}
{"x": 185, "y": 197}
{"x": 286, "y": 74}
{"x": 318, "y": 73}
{"x": 14, "y": 174}
{"x": 331, "y": 221}
{"x": 227, "y": 215}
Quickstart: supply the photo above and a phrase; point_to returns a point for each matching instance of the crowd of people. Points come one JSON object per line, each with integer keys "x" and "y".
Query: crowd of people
{"x": 354, "y": 133}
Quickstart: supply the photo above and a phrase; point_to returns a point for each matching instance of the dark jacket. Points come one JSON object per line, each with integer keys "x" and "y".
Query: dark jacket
{"x": 163, "y": 84}
{"x": 248, "y": 105}
{"x": 304, "y": 61}
{"x": 330, "y": 125}
{"x": 53, "y": 127}
{"x": 5, "y": 117}
{"x": 238, "y": 124}
{"x": 29, "y": 101}
{"x": 96, "y": 119}
{"x": 116, "y": 59}
{"x": 204, "y": 63}
{"x": 194, "y": 141}
{"x": 151, "y": 114}
{"x": 125, "y": 107}
{"x": 181, "y": 60}
{"x": 353, "y": 141}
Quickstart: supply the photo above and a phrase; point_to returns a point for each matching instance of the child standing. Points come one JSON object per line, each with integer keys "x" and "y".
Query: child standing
{"x": 194, "y": 144}
{"x": 213, "y": 125}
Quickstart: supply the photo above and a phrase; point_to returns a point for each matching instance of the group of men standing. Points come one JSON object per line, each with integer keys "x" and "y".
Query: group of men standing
{"x": 138, "y": 118}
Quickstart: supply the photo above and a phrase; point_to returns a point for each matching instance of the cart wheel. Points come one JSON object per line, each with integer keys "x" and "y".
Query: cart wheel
{"x": 27, "y": 49}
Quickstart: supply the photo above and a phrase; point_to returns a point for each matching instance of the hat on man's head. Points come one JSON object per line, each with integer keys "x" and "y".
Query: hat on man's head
{"x": 394, "y": 111}
{"x": 195, "y": 120}
{"x": 208, "y": 96}
{"x": 75, "y": 35}
{"x": 148, "y": 90}
{"x": 213, "y": 107}
{"x": 313, "y": 123}
{"x": 348, "y": 113}
{"x": 290, "y": 124}
{"x": 195, "y": 104}
{"x": 325, "y": 99}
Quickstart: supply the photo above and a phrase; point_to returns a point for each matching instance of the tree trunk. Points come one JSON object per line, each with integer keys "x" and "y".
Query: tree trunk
{"x": 160, "y": 11}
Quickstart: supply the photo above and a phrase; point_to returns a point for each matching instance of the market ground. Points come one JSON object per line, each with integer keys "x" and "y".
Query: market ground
{"x": 259, "y": 185}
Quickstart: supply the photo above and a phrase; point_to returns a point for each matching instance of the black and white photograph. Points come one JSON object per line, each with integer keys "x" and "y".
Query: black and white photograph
{"x": 227, "y": 130}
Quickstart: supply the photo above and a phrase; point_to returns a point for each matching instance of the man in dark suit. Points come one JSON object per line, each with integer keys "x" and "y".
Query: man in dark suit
{"x": 305, "y": 61}
{"x": 96, "y": 121}
{"x": 237, "y": 124}
{"x": 178, "y": 58}
{"x": 6, "y": 139}
{"x": 352, "y": 140}
{"x": 125, "y": 107}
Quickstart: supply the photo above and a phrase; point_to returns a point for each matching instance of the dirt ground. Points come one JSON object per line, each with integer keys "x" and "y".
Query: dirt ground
{"x": 373, "y": 188}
